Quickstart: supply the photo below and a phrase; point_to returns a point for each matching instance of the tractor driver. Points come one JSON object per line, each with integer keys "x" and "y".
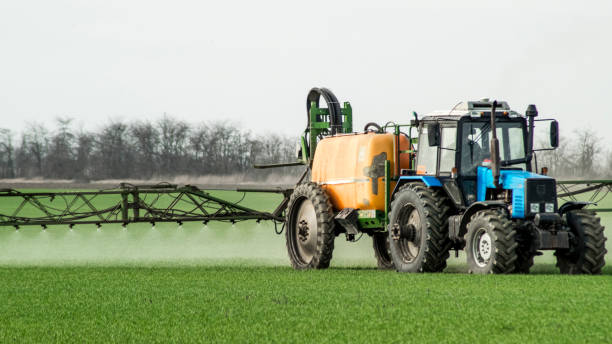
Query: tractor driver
{"x": 472, "y": 156}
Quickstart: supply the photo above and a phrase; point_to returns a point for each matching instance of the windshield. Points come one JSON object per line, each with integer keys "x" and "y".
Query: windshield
{"x": 476, "y": 138}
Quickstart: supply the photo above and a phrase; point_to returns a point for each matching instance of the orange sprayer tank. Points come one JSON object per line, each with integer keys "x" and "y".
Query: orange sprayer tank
{"x": 351, "y": 168}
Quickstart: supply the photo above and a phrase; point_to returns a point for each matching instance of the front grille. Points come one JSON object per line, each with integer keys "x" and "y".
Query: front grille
{"x": 540, "y": 191}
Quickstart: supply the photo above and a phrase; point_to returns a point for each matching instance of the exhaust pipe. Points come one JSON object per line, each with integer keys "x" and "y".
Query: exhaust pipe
{"x": 495, "y": 158}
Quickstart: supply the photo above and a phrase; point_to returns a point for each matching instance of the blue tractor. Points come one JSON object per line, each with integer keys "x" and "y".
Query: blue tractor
{"x": 474, "y": 188}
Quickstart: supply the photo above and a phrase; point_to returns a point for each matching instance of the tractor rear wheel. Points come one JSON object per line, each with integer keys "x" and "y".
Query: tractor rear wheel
{"x": 382, "y": 251}
{"x": 310, "y": 228}
{"x": 587, "y": 254}
{"x": 418, "y": 229}
{"x": 491, "y": 243}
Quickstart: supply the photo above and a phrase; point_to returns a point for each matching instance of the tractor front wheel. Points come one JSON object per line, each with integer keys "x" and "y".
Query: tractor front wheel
{"x": 525, "y": 251}
{"x": 524, "y": 260}
{"x": 490, "y": 243}
{"x": 310, "y": 228}
{"x": 586, "y": 254}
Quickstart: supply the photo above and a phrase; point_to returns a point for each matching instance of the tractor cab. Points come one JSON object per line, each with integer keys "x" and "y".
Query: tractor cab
{"x": 452, "y": 145}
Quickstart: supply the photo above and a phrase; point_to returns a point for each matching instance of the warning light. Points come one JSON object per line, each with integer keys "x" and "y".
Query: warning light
{"x": 421, "y": 169}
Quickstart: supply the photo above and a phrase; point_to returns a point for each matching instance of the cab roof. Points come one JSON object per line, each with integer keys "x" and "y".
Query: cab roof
{"x": 476, "y": 108}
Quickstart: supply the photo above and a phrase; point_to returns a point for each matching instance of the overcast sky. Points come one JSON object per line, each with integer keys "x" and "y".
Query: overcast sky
{"x": 252, "y": 62}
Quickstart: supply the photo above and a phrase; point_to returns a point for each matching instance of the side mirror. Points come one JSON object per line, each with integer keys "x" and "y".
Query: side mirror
{"x": 433, "y": 134}
{"x": 554, "y": 134}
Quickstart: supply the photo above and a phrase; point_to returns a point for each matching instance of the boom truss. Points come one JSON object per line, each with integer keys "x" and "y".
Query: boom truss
{"x": 171, "y": 203}
{"x": 131, "y": 204}
{"x": 599, "y": 189}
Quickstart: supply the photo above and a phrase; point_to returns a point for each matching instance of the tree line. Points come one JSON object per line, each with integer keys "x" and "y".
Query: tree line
{"x": 166, "y": 147}
{"x": 581, "y": 155}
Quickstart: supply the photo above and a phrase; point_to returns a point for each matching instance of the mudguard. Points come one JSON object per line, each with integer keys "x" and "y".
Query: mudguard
{"x": 572, "y": 205}
{"x": 429, "y": 181}
{"x": 472, "y": 209}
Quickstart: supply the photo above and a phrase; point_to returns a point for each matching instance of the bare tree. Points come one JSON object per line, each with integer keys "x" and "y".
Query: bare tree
{"x": 587, "y": 147}
{"x": 607, "y": 168}
{"x": 60, "y": 158}
{"x": 558, "y": 161}
{"x": 113, "y": 153}
{"x": 7, "y": 166}
{"x": 84, "y": 150}
{"x": 145, "y": 138}
{"x": 23, "y": 162}
{"x": 172, "y": 145}
{"x": 37, "y": 142}
{"x": 198, "y": 146}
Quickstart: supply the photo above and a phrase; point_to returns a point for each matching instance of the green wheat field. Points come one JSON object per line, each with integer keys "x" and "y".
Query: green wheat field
{"x": 233, "y": 283}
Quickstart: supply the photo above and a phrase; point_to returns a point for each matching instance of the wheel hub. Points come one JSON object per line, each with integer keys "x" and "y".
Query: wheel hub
{"x": 482, "y": 247}
{"x": 485, "y": 246}
{"x": 303, "y": 230}
{"x": 407, "y": 234}
{"x": 407, "y": 231}
{"x": 306, "y": 231}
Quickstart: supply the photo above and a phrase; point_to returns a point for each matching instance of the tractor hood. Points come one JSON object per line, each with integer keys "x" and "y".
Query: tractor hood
{"x": 531, "y": 192}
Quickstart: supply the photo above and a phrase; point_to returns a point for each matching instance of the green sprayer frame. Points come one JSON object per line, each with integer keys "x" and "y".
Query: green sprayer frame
{"x": 319, "y": 124}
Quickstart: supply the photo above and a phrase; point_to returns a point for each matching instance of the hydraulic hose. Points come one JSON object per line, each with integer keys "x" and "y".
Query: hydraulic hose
{"x": 333, "y": 106}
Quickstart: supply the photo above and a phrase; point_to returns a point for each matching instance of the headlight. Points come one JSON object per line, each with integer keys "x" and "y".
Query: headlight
{"x": 549, "y": 207}
{"x": 535, "y": 207}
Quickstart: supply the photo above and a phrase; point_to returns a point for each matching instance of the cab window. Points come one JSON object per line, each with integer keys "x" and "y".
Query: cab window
{"x": 447, "y": 148}
{"x": 476, "y": 144}
{"x": 427, "y": 156}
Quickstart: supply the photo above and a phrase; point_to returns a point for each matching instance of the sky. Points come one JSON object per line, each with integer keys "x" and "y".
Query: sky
{"x": 253, "y": 62}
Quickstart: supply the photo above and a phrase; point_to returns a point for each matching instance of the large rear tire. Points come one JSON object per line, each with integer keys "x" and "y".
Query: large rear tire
{"x": 587, "y": 256}
{"x": 310, "y": 228}
{"x": 491, "y": 243}
{"x": 382, "y": 252}
{"x": 421, "y": 213}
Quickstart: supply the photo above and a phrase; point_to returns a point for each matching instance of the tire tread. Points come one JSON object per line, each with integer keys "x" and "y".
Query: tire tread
{"x": 504, "y": 235}
{"x": 592, "y": 259}
{"x": 437, "y": 207}
{"x": 325, "y": 221}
